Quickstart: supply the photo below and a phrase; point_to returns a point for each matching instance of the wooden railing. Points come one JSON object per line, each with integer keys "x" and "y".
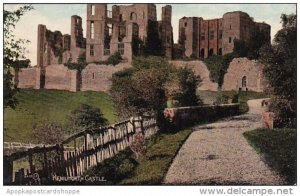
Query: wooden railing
{"x": 48, "y": 163}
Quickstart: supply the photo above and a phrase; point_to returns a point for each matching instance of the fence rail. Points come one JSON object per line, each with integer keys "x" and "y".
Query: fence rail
{"x": 47, "y": 163}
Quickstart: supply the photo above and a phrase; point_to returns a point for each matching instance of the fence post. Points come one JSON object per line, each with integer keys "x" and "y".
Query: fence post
{"x": 7, "y": 170}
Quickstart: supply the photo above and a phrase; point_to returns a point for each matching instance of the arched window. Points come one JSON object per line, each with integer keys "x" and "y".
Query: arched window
{"x": 132, "y": 16}
{"x": 244, "y": 81}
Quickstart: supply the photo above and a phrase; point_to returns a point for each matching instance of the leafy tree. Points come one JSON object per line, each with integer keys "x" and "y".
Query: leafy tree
{"x": 86, "y": 117}
{"x": 142, "y": 88}
{"x": 251, "y": 47}
{"x": 218, "y": 66}
{"x": 153, "y": 45}
{"x": 281, "y": 65}
{"x": 13, "y": 52}
{"x": 114, "y": 59}
{"x": 182, "y": 86}
{"x": 48, "y": 133}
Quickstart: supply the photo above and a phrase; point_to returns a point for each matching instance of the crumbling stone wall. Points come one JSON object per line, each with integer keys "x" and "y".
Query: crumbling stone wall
{"x": 244, "y": 74}
{"x": 55, "y": 48}
{"x": 29, "y": 78}
{"x": 60, "y": 77}
{"x": 201, "y": 70}
{"x": 98, "y": 77}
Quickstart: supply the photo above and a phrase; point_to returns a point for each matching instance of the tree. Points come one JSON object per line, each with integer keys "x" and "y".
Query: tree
{"x": 144, "y": 87}
{"x": 250, "y": 48}
{"x": 182, "y": 86}
{"x": 13, "y": 52}
{"x": 86, "y": 117}
{"x": 48, "y": 133}
{"x": 280, "y": 70}
{"x": 153, "y": 45}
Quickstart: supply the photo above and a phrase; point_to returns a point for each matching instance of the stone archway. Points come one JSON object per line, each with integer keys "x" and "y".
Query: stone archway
{"x": 244, "y": 82}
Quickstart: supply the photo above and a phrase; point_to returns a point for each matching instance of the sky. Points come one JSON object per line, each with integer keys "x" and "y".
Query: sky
{"x": 58, "y": 17}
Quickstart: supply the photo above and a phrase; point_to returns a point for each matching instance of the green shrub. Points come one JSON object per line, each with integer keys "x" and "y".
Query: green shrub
{"x": 114, "y": 59}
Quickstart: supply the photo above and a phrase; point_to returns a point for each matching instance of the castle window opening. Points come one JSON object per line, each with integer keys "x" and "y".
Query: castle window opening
{"x": 229, "y": 39}
{"x": 93, "y": 76}
{"x": 92, "y": 30}
{"x": 121, "y": 18}
{"x": 132, "y": 16}
{"x": 185, "y": 24}
{"x": 220, "y": 34}
{"x": 110, "y": 29}
{"x": 202, "y": 35}
{"x": 211, "y": 35}
{"x": 91, "y": 50}
{"x": 93, "y": 9}
{"x": 121, "y": 48}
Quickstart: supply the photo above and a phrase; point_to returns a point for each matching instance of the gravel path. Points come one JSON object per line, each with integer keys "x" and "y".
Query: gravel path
{"x": 218, "y": 153}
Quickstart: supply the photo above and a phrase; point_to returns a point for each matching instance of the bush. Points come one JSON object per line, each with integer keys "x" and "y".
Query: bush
{"x": 86, "y": 117}
{"x": 281, "y": 72}
{"x": 48, "y": 133}
{"x": 114, "y": 59}
{"x": 145, "y": 88}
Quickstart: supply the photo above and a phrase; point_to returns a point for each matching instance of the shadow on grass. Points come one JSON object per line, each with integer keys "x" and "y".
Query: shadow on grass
{"x": 278, "y": 148}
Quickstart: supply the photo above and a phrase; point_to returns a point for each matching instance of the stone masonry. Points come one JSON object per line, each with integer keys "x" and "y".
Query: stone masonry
{"x": 55, "y": 48}
{"x": 113, "y": 31}
{"x": 98, "y": 77}
{"x": 202, "y": 38}
{"x": 244, "y": 74}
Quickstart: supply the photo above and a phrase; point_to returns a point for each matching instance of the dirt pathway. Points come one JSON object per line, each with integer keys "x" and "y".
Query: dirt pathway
{"x": 218, "y": 153}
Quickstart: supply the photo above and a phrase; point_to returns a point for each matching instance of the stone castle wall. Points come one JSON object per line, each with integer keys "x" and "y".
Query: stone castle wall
{"x": 243, "y": 69}
{"x": 29, "y": 78}
{"x": 60, "y": 77}
{"x": 201, "y": 70}
{"x": 98, "y": 77}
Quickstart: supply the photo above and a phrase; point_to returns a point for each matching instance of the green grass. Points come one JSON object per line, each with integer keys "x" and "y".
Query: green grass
{"x": 37, "y": 106}
{"x": 151, "y": 168}
{"x": 209, "y": 97}
{"x": 279, "y": 149}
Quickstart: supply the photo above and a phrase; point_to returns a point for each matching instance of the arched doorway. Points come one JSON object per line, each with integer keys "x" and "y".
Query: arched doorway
{"x": 220, "y": 51}
{"x": 244, "y": 82}
{"x": 210, "y": 52}
{"x": 202, "y": 53}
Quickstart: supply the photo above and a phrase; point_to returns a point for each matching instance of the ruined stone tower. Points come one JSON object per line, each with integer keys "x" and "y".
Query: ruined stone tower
{"x": 202, "y": 38}
{"x": 113, "y": 31}
{"x": 166, "y": 30}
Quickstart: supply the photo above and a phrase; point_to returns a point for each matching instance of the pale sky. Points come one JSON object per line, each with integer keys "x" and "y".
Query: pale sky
{"x": 58, "y": 17}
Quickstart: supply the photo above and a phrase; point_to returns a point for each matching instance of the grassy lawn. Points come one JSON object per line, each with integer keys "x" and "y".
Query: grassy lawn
{"x": 37, "y": 106}
{"x": 209, "y": 97}
{"x": 279, "y": 149}
{"x": 151, "y": 168}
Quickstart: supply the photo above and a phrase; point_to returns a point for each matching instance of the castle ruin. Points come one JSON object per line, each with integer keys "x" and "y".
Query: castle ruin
{"x": 201, "y": 38}
{"x": 113, "y": 31}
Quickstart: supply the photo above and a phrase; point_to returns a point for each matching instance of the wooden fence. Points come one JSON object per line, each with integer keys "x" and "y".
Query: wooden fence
{"x": 49, "y": 164}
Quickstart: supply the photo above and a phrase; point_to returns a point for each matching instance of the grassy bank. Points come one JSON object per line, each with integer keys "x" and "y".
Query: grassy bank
{"x": 37, "y": 106}
{"x": 279, "y": 149}
{"x": 151, "y": 168}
